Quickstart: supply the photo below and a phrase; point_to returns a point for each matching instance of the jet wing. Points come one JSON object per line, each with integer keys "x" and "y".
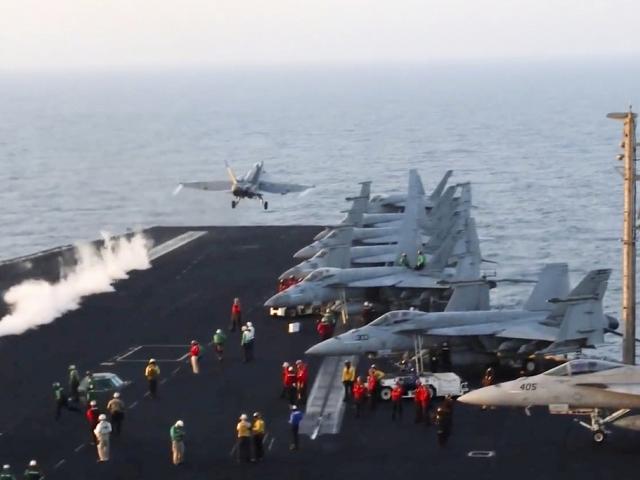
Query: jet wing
{"x": 530, "y": 331}
{"x": 282, "y": 188}
{"x": 381, "y": 258}
{"x": 215, "y": 185}
{"x": 399, "y": 280}
{"x": 622, "y": 388}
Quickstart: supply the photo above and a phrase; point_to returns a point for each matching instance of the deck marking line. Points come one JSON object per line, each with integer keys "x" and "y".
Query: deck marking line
{"x": 481, "y": 453}
{"x": 79, "y": 447}
{"x": 163, "y": 381}
{"x": 176, "y": 370}
{"x": 233, "y": 450}
{"x": 174, "y": 244}
{"x": 59, "y": 464}
{"x": 133, "y": 405}
{"x": 271, "y": 443}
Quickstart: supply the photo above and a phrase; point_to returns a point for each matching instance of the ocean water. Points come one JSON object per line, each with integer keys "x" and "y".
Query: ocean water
{"x": 82, "y": 152}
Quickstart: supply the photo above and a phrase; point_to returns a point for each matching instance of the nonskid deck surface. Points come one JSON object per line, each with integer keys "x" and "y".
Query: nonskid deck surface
{"x": 186, "y": 295}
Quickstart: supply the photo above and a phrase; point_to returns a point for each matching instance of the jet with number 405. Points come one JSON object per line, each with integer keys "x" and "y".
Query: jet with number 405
{"x": 604, "y": 391}
{"x": 252, "y": 185}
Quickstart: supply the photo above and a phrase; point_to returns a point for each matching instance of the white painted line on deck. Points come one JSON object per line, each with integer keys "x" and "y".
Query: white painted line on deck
{"x": 176, "y": 370}
{"x": 79, "y": 447}
{"x": 163, "y": 381}
{"x": 271, "y": 444}
{"x": 107, "y": 364}
{"x": 233, "y": 450}
{"x": 174, "y": 243}
{"x": 481, "y": 453}
{"x": 134, "y": 349}
{"x": 59, "y": 464}
{"x": 147, "y": 394}
{"x": 133, "y": 405}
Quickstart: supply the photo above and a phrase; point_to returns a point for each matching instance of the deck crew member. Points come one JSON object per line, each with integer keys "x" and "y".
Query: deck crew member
{"x": 348, "y": 377}
{"x": 194, "y": 356}
{"x": 285, "y": 389}
{"x": 219, "y": 339}
{"x": 115, "y": 407}
{"x": 487, "y": 380}
{"x": 421, "y": 260}
{"x": 359, "y": 394}
{"x": 92, "y": 414}
{"x": 290, "y": 385}
{"x": 245, "y": 343}
{"x": 368, "y": 313}
{"x": 302, "y": 377}
{"x": 396, "y": 401}
{"x": 103, "y": 433}
{"x": 443, "y": 422}
{"x": 258, "y": 430}
{"x": 177, "y": 434}
{"x": 403, "y": 261}
{"x": 243, "y": 429}
{"x": 421, "y": 398}
{"x": 74, "y": 383}
{"x": 6, "y": 473}
{"x": 33, "y": 472}
{"x": 236, "y": 315}
{"x": 251, "y": 346}
{"x": 294, "y": 420}
{"x": 60, "y": 399}
{"x": 152, "y": 372}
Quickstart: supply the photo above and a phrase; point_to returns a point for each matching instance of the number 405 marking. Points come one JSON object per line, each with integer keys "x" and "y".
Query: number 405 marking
{"x": 529, "y": 386}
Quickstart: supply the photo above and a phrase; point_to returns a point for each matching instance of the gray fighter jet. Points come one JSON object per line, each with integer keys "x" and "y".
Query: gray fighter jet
{"x": 604, "y": 391}
{"x": 550, "y": 322}
{"x": 251, "y": 185}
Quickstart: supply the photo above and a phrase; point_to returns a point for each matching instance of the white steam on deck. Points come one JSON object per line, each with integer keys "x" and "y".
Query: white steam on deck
{"x": 37, "y": 302}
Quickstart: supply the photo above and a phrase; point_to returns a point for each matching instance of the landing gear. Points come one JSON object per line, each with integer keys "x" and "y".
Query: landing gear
{"x": 233, "y": 204}
{"x": 266, "y": 205}
{"x": 263, "y": 202}
{"x": 597, "y": 423}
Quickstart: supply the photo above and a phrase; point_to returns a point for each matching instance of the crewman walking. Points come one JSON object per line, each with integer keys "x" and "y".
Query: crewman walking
{"x": 236, "y": 315}
{"x": 245, "y": 343}
{"x": 60, "y": 399}
{"x": 219, "y": 339}
{"x": 359, "y": 395}
{"x": 396, "y": 401}
{"x": 421, "y": 260}
{"x": 93, "y": 417}
{"x": 348, "y": 376}
{"x": 373, "y": 385}
{"x": 103, "y": 433}
{"x": 33, "y": 472}
{"x": 258, "y": 430}
{"x": 302, "y": 377}
{"x": 243, "y": 430}
{"x": 285, "y": 371}
{"x": 251, "y": 340}
{"x": 152, "y": 372}
{"x": 115, "y": 407}
{"x": 294, "y": 420}
{"x": 74, "y": 383}
{"x": 177, "y": 434}
{"x": 194, "y": 355}
{"x": 443, "y": 423}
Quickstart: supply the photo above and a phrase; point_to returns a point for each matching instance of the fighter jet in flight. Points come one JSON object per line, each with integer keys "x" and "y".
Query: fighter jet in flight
{"x": 552, "y": 321}
{"x": 252, "y": 185}
{"x": 604, "y": 391}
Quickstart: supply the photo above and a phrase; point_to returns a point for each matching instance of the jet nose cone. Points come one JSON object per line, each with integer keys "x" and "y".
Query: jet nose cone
{"x": 278, "y": 300}
{"x": 481, "y": 396}
{"x": 332, "y": 346}
{"x": 306, "y": 252}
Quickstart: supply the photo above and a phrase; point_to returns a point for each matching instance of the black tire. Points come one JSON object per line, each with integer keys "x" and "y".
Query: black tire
{"x": 599, "y": 437}
{"x": 385, "y": 393}
{"x": 266, "y": 205}
{"x": 530, "y": 367}
{"x": 432, "y": 391}
{"x": 233, "y": 204}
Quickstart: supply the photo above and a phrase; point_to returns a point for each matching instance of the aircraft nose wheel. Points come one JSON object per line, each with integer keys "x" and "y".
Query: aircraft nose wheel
{"x": 599, "y": 436}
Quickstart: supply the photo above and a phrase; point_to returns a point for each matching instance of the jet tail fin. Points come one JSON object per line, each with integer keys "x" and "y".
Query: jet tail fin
{"x": 468, "y": 296}
{"x": 581, "y": 313}
{"x": 359, "y": 206}
{"x": 437, "y": 192}
{"x": 553, "y": 282}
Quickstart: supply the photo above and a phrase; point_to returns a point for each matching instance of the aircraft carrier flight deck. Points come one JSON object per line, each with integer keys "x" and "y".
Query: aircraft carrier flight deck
{"x": 186, "y": 295}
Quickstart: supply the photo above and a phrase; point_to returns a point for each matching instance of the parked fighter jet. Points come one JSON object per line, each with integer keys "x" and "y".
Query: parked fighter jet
{"x": 579, "y": 387}
{"x": 252, "y": 185}
{"x": 550, "y": 322}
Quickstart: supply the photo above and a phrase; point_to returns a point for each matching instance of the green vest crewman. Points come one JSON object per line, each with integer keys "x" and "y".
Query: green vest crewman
{"x": 6, "y": 473}
{"x": 421, "y": 260}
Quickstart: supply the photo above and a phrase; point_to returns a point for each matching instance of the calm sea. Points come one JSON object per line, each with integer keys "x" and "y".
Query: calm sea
{"x": 85, "y": 151}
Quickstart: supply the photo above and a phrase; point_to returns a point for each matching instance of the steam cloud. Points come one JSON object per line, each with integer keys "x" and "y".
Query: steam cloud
{"x": 37, "y": 302}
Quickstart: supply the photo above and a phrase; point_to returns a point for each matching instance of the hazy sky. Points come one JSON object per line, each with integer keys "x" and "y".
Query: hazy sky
{"x": 104, "y": 33}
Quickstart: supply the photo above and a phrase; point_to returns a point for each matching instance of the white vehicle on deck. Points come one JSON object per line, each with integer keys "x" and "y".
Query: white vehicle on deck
{"x": 439, "y": 384}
